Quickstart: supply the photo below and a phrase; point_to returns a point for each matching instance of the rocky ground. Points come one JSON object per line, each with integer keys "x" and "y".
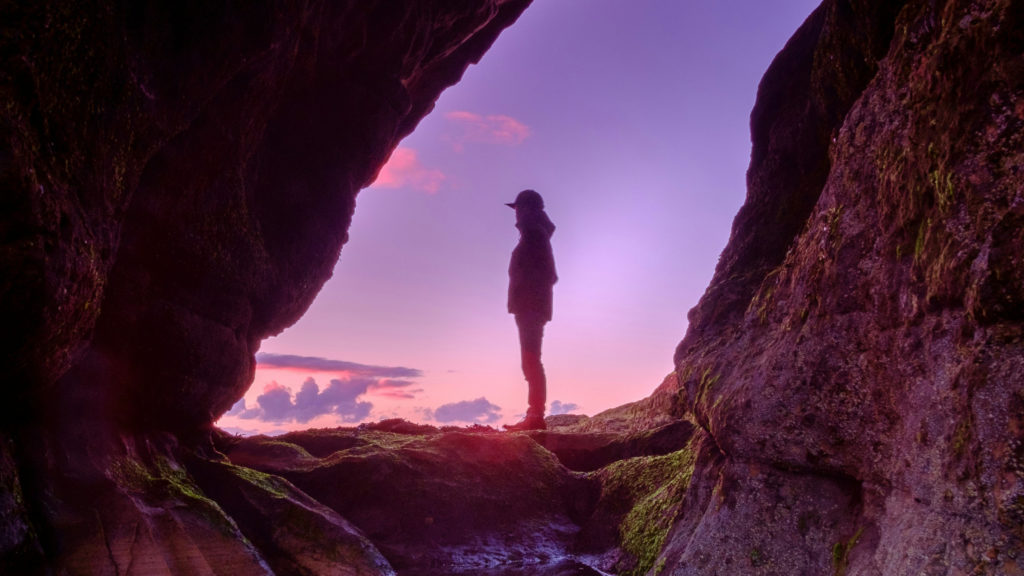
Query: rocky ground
{"x": 584, "y": 496}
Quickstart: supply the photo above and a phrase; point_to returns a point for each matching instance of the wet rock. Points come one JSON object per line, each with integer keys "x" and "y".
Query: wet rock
{"x": 294, "y": 533}
{"x": 648, "y": 427}
{"x": 443, "y": 502}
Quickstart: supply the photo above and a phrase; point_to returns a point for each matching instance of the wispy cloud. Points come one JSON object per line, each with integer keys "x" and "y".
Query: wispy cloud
{"x": 404, "y": 170}
{"x": 316, "y": 364}
{"x": 478, "y": 411}
{"x": 471, "y": 127}
{"x": 277, "y": 404}
{"x": 558, "y": 407}
{"x": 394, "y": 388}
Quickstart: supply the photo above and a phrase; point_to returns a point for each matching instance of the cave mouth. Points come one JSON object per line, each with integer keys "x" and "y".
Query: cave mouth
{"x": 635, "y": 164}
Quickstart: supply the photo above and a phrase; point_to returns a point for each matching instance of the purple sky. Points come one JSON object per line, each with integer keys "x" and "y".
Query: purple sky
{"x": 631, "y": 118}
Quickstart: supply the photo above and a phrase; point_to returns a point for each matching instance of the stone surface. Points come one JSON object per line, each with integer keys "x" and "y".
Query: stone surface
{"x": 20, "y": 551}
{"x": 178, "y": 180}
{"x": 643, "y": 428}
{"x": 134, "y": 509}
{"x": 857, "y": 357}
{"x": 293, "y": 532}
{"x": 478, "y": 501}
{"x": 440, "y": 502}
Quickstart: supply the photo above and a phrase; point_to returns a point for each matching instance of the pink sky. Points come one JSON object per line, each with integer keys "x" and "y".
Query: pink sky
{"x": 631, "y": 118}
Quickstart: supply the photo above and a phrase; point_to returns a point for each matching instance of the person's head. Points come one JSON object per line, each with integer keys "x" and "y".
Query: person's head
{"x": 527, "y": 200}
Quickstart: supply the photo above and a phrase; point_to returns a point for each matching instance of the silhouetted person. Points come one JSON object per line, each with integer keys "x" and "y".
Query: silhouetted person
{"x": 531, "y": 275}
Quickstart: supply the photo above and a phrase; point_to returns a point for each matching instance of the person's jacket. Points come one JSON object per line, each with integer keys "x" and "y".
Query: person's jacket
{"x": 531, "y": 271}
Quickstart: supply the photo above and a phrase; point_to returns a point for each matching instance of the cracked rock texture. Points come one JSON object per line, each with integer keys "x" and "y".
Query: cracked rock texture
{"x": 177, "y": 182}
{"x": 858, "y": 359}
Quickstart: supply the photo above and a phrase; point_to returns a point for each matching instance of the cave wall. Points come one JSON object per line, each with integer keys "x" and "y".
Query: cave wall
{"x": 858, "y": 358}
{"x": 179, "y": 179}
{"x": 177, "y": 183}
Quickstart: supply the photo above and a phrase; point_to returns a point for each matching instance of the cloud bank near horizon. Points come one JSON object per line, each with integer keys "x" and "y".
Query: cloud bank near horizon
{"x": 277, "y": 404}
{"x": 559, "y": 407}
{"x": 316, "y": 364}
{"x": 344, "y": 397}
{"x": 479, "y": 411}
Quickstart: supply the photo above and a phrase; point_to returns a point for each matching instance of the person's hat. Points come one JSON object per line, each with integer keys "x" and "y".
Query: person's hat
{"x": 527, "y": 199}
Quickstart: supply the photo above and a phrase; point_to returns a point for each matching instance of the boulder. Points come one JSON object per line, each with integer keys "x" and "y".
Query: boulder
{"x": 857, "y": 359}
{"x": 441, "y": 502}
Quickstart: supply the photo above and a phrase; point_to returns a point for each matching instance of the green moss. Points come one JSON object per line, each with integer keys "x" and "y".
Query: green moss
{"x": 761, "y": 302}
{"x": 289, "y": 447}
{"x": 942, "y": 184}
{"x": 841, "y": 553}
{"x": 757, "y": 558}
{"x": 655, "y": 485}
{"x": 832, "y": 218}
{"x": 267, "y": 482}
{"x": 762, "y": 310}
{"x": 961, "y": 435}
{"x": 163, "y": 480}
{"x": 708, "y": 380}
{"x": 922, "y": 236}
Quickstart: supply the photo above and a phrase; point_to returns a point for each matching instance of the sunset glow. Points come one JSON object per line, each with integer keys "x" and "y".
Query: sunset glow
{"x": 639, "y": 146}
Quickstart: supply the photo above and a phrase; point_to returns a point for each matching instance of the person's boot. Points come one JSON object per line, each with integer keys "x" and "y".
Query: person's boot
{"x": 528, "y": 423}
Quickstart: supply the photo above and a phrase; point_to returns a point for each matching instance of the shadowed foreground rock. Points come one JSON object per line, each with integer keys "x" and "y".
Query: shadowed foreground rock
{"x": 454, "y": 501}
{"x": 177, "y": 182}
{"x": 477, "y": 501}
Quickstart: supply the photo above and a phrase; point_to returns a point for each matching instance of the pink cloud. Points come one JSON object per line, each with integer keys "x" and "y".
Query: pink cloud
{"x": 404, "y": 170}
{"x": 490, "y": 129}
{"x": 479, "y": 411}
{"x": 272, "y": 386}
{"x": 400, "y": 389}
{"x": 277, "y": 404}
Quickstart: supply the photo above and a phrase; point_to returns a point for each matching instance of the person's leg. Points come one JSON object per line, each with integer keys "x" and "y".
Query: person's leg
{"x": 531, "y": 336}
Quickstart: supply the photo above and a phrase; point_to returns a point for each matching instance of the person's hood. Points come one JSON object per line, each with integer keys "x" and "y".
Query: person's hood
{"x": 535, "y": 222}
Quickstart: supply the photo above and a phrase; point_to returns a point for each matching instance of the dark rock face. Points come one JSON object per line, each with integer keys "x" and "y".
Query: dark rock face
{"x": 181, "y": 179}
{"x": 200, "y": 178}
{"x": 178, "y": 180}
{"x": 857, "y": 359}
